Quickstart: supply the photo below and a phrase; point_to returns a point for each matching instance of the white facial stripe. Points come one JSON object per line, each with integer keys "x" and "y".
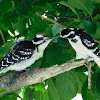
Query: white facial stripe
{"x": 71, "y": 28}
{"x": 37, "y": 42}
{"x": 94, "y": 49}
{"x": 72, "y": 32}
{"x": 39, "y": 36}
{"x": 65, "y": 36}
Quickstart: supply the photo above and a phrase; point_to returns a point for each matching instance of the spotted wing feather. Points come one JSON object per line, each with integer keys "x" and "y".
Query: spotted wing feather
{"x": 88, "y": 42}
{"x": 21, "y": 51}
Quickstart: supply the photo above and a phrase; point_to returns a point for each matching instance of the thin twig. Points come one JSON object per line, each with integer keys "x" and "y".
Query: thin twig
{"x": 68, "y": 17}
{"x": 58, "y": 16}
{"x": 55, "y": 22}
{"x": 2, "y": 36}
{"x": 97, "y": 41}
{"x": 89, "y": 75}
{"x": 49, "y": 19}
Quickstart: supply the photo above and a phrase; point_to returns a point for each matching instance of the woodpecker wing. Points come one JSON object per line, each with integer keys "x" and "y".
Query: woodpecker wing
{"x": 88, "y": 42}
{"x": 21, "y": 51}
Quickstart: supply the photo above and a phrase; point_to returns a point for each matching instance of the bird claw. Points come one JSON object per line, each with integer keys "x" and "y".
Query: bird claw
{"x": 87, "y": 60}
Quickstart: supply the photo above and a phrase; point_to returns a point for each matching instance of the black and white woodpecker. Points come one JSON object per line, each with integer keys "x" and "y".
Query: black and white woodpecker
{"x": 24, "y": 53}
{"x": 83, "y": 44}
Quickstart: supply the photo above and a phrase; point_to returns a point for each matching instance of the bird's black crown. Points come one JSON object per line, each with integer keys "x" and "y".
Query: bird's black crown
{"x": 68, "y": 33}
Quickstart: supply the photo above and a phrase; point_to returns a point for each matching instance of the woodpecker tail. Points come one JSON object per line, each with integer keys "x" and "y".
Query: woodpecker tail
{"x": 2, "y": 69}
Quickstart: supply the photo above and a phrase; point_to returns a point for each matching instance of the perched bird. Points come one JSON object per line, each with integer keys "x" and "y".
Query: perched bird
{"x": 83, "y": 44}
{"x": 24, "y": 53}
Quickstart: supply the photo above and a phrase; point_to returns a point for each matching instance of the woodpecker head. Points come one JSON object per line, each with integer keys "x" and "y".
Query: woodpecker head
{"x": 41, "y": 38}
{"x": 67, "y": 33}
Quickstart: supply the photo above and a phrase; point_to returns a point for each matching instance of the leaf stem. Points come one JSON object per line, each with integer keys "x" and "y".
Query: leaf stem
{"x": 3, "y": 38}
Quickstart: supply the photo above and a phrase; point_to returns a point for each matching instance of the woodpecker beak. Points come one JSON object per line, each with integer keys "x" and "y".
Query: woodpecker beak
{"x": 59, "y": 35}
{"x": 51, "y": 38}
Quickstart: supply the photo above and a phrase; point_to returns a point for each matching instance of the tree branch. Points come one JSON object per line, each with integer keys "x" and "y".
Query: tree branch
{"x": 89, "y": 75}
{"x": 50, "y": 20}
{"x": 36, "y": 75}
{"x": 55, "y": 22}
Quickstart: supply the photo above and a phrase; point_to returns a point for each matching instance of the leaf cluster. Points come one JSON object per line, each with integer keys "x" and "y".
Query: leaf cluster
{"x": 18, "y": 21}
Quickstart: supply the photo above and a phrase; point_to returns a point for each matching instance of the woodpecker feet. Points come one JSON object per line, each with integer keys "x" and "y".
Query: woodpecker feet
{"x": 87, "y": 60}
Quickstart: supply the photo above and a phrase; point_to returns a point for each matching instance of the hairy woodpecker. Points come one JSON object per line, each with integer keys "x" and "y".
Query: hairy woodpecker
{"x": 24, "y": 53}
{"x": 83, "y": 44}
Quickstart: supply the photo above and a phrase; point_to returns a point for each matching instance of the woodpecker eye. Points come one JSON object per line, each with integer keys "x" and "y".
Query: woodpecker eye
{"x": 65, "y": 32}
{"x": 38, "y": 39}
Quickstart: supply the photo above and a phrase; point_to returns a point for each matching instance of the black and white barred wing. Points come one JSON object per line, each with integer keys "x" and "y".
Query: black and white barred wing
{"x": 21, "y": 51}
{"x": 89, "y": 43}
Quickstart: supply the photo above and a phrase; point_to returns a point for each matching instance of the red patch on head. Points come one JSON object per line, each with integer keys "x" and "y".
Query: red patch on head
{"x": 44, "y": 34}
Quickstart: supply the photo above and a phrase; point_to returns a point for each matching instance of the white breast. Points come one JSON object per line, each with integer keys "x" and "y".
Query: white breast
{"x": 81, "y": 50}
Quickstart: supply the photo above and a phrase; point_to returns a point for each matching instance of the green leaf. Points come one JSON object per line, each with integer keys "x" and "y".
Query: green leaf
{"x": 6, "y": 48}
{"x": 6, "y": 20}
{"x": 70, "y": 6}
{"x": 63, "y": 42}
{"x": 40, "y": 87}
{"x": 52, "y": 92}
{"x": 26, "y": 93}
{"x": 38, "y": 24}
{"x": 67, "y": 85}
{"x": 12, "y": 96}
{"x": 54, "y": 56}
{"x": 38, "y": 95}
{"x": 97, "y": 77}
{"x": 41, "y": 3}
{"x": 5, "y": 6}
{"x": 81, "y": 79}
{"x": 56, "y": 29}
{"x": 85, "y": 5}
{"x": 97, "y": 34}
{"x": 97, "y": 1}
{"x": 22, "y": 23}
{"x": 2, "y": 91}
{"x": 90, "y": 26}
{"x": 23, "y": 7}
{"x": 48, "y": 31}
{"x": 87, "y": 94}
{"x": 39, "y": 91}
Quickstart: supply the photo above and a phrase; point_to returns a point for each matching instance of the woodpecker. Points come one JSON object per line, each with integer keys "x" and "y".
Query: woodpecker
{"x": 83, "y": 44}
{"x": 24, "y": 53}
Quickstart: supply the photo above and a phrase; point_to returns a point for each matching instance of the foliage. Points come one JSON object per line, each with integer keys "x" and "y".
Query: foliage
{"x": 18, "y": 20}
